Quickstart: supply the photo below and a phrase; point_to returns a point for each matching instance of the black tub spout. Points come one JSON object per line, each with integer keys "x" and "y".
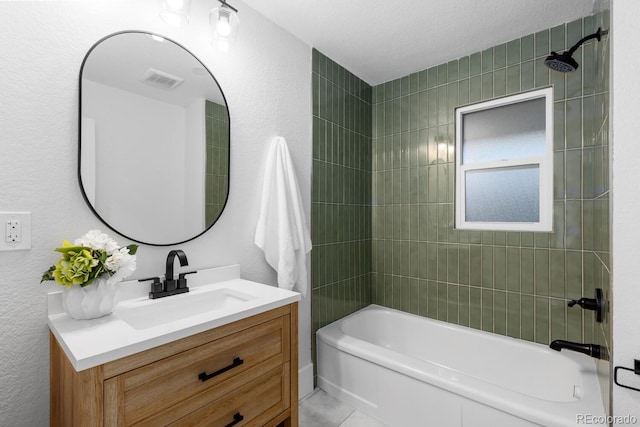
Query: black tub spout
{"x": 593, "y": 350}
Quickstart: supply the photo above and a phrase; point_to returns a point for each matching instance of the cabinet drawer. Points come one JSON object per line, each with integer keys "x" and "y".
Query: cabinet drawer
{"x": 253, "y": 404}
{"x": 176, "y": 383}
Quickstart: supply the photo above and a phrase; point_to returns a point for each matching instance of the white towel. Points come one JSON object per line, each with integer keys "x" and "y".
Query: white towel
{"x": 282, "y": 229}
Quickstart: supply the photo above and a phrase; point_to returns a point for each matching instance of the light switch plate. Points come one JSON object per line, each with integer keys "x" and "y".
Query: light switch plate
{"x": 16, "y": 230}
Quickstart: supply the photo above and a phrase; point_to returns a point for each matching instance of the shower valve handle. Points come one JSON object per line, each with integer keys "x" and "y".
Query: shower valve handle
{"x": 586, "y": 303}
{"x": 596, "y": 304}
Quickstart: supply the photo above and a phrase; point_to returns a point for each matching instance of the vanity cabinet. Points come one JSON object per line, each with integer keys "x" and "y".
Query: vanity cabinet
{"x": 243, "y": 373}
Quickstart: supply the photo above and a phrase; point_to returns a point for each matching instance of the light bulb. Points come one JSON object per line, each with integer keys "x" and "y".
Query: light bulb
{"x": 224, "y": 26}
{"x": 175, "y": 12}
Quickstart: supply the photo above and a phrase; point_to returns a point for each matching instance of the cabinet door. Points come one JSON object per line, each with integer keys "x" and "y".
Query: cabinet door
{"x": 185, "y": 382}
{"x": 253, "y": 404}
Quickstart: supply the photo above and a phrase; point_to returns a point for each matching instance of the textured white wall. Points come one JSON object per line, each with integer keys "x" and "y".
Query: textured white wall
{"x": 625, "y": 201}
{"x": 266, "y": 80}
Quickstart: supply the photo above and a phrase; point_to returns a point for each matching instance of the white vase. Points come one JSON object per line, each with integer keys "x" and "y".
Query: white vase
{"x": 95, "y": 300}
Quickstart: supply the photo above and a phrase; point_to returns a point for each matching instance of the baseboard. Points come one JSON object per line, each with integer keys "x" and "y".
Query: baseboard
{"x": 305, "y": 381}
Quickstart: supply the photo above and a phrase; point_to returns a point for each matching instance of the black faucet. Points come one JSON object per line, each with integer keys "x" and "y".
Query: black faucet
{"x": 170, "y": 286}
{"x": 593, "y": 350}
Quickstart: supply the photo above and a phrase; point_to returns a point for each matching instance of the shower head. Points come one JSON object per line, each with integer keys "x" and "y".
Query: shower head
{"x": 564, "y": 62}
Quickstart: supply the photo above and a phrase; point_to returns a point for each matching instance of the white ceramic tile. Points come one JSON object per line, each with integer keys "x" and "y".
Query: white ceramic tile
{"x": 358, "y": 419}
{"x": 322, "y": 410}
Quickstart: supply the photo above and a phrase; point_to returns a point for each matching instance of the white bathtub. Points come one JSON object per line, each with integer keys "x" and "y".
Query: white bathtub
{"x": 406, "y": 370}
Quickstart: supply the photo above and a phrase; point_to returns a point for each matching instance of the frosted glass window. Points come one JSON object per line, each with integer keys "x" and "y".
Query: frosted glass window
{"x": 503, "y": 195}
{"x": 506, "y": 132}
{"x": 504, "y": 163}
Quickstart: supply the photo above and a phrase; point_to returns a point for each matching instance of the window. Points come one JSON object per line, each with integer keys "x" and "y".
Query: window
{"x": 504, "y": 163}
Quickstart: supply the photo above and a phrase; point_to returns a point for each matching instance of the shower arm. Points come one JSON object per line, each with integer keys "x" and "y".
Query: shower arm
{"x": 596, "y": 35}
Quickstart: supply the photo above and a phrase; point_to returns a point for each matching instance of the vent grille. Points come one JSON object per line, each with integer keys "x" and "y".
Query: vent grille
{"x": 160, "y": 79}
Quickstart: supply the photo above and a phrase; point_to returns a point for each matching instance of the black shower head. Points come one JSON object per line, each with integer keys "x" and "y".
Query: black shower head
{"x": 564, "y": 62}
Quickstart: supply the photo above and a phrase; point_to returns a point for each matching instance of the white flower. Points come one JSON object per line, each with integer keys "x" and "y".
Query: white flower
{"x": 100, "y": 257}
{"x": 98, "y": 240}
{"x": 121, "y": 265}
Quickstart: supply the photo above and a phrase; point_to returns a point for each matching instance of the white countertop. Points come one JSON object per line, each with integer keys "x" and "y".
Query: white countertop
{"x": 89, "y": 343}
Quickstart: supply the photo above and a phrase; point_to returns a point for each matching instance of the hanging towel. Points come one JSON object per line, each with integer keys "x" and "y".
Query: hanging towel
{"x": 282, "y": 229}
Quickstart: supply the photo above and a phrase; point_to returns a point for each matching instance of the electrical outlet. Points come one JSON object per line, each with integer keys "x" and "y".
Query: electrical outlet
{"x": 14, "y": 231}
{"x": 17, "y": 227}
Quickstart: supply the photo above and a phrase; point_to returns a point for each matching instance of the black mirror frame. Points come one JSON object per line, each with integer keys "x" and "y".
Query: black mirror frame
{"x": 79, "y": 173}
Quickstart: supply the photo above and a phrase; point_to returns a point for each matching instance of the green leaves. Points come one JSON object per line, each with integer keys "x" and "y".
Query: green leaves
{"x": 80, "y": 264}
{"x": 48, "y": 275}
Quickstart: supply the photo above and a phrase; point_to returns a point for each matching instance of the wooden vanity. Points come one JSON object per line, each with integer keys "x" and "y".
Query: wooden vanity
{"x": 244, "y": 373}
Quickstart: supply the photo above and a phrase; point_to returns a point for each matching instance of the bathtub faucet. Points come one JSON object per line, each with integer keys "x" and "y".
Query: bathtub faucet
{"x": 593, "y": 350}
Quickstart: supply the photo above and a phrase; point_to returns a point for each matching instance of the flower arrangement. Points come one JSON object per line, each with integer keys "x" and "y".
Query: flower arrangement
{"x": 93, "y": 255}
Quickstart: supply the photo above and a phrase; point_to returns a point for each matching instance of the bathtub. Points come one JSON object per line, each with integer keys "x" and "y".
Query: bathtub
{"x": 406, "y": 370}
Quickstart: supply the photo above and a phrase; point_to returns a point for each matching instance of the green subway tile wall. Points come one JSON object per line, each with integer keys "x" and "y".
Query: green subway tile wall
{"x": 341, "y": 193}
{"x": 217, "y": 176}
{"x": 383, "y": 179}
{"x": 510, "y": 283}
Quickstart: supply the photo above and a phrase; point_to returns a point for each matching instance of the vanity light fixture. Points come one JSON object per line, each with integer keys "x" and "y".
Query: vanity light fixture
{"x": 175, "y": 12}
{"x": 223, "y": 21}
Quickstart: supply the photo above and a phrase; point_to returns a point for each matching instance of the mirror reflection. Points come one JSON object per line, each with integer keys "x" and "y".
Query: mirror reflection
{"x": 154, "y": 139}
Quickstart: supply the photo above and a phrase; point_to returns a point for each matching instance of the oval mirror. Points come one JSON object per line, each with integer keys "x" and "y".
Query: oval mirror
{"x": 154, "y": 139}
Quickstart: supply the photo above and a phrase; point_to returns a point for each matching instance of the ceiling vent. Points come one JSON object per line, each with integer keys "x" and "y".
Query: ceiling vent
{"x": 160, "y": 79}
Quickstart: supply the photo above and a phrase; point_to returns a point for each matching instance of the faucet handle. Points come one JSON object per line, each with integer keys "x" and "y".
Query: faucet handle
{"x": 156, "y": 285}
{"x": 596, "y": 304}
{"x": 182, "y": 281}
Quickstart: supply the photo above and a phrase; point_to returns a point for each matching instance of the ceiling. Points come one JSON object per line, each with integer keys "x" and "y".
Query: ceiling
{"x": 120, "y": 61}
{"x": 381, "y": 41}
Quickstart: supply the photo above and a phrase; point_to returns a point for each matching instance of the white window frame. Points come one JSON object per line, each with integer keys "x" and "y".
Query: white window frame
{"x": 543, "y": 162}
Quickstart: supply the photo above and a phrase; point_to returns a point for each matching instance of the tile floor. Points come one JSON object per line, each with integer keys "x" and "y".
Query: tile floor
{"x": 321, "y": 410}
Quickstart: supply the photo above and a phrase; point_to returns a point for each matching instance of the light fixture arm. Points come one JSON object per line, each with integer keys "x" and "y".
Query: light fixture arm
{"x": 225, "y": 4}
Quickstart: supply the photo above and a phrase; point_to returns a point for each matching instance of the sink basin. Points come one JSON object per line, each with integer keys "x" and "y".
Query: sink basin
{"x": 151, "y": 313}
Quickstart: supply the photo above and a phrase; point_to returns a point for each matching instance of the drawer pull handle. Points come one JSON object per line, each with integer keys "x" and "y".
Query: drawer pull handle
{"x": 204, "y": 376}
{"x": 236, "y": 419}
